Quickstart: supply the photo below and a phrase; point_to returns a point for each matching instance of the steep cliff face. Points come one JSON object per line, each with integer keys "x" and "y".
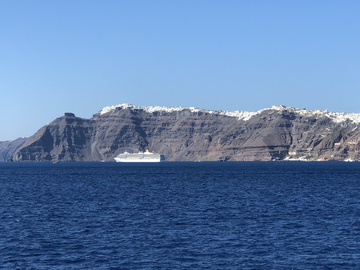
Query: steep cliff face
{"x": 8, "y": 148}
{"x": 67, "y": 138}
{"x": 192, "y": 134}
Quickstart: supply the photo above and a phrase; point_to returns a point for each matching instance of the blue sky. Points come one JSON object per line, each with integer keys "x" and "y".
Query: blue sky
{"x": 80, "y": 56}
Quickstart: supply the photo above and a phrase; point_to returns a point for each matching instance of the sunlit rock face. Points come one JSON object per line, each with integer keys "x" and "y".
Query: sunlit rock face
{"x": 191, "y": 134}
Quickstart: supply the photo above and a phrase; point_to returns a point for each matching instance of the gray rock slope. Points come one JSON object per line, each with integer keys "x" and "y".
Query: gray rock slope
{"x": 195, "y": 135}
{"x": 8, "y": 148}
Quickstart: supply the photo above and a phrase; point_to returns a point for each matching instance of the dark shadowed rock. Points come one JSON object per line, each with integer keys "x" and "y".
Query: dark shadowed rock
{"x": 191, "y": 134}
{"x": 8, "y": 148}
{"x": 67, "y": 138}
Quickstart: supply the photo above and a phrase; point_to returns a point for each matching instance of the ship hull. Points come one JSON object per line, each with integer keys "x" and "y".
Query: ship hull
{"x": 140, "y": 157}
{"x": 138, "y": 160}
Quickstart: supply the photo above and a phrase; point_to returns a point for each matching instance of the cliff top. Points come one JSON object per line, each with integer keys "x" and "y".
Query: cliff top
{"x": 241, "y": 115}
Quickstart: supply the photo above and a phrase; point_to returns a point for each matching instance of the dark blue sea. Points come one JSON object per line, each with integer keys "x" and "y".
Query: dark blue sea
{"x": 207, "y": 215}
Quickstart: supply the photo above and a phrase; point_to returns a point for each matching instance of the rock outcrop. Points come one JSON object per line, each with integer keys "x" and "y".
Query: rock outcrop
{"x": 190, "y": 134}
{"x": 8, "y": 148}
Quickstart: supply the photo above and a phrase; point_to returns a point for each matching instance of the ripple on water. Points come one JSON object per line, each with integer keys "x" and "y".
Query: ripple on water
{"x": 180, "y": 215}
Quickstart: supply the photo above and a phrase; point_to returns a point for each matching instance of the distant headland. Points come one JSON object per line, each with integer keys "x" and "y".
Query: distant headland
{"x": 191, "y": 134}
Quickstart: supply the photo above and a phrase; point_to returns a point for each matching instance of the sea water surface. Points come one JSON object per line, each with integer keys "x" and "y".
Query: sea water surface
{"x": 207, "y": 215}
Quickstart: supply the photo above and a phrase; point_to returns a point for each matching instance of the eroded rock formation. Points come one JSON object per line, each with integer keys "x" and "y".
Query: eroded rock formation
{"x": 191, "y": 134}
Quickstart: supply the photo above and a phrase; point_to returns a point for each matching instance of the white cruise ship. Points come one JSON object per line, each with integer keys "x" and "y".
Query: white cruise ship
{"x": 140, "y": 157}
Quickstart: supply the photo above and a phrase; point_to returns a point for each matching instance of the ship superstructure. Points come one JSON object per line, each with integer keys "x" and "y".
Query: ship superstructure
{"x": 140, "y": 157}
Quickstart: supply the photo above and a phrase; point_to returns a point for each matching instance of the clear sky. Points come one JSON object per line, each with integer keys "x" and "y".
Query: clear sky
{"x": 80, "y": 56}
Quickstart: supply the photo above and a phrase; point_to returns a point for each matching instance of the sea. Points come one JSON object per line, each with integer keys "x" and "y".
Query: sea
{"x": 180, "y": 215}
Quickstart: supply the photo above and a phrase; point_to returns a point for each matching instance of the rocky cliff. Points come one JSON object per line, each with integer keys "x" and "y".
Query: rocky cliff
{"x": 190, "y": 134}
{"x": 8, "y": 148}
